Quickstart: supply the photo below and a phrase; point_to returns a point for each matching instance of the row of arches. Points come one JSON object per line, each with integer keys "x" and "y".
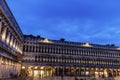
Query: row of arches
{"x": 68, "y": 50}
{"x": 8, "y": 37}
{"x": 44, "y": 71}
{"x": 73, "y": 60}
{"x": 8, "y": 67}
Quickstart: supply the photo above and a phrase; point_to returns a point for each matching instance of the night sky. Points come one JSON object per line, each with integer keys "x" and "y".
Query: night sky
{"x": 91, "y": 21}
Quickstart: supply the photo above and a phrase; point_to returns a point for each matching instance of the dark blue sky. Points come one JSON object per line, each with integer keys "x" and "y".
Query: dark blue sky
{"x": 92, "y": 21}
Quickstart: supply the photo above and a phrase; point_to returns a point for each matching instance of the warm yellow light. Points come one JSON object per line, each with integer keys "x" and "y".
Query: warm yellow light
{"x": 46, "y": 41}
{"x": 77, "y": 68}
{"x": 42, "y": 67}
{"x": 2, "y": 61}
{"x": 6, "y": 63}
{"x": 41, "y": 72}
{"x": 29, "y": 67}
{"x": 36, "y": 73}
{"x": 9, "y": 63}
{"x": 87, "y": 45}
{"x": 36, "y": 67}
{"x": 23, "y": 67}
{"x": 7, "y": 40}
{"x": 118, "y": 48}
{"x": 3, "y": 36}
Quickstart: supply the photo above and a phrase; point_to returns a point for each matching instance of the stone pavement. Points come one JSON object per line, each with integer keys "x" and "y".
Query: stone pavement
{"x": 19, "y": 78}
{"x": 29, "y": 78}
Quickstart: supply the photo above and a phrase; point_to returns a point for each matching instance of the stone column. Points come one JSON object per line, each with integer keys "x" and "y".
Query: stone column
{"x": 75, "y": 71}
{"x": 69, "y": 71}
{"x": 16, "y": 47}
{"x": 116, "y": 72}
{"x": 11, "y": 42}
{"x": 35, "y": 48}
{"x": 84, "y": 72}
{"x": 14, "y": 43}
{"x": 0, "y": 28}
{"x": 63, "y": 71}
{"x": 38, "y": 49}
{"x": 88, "y": 72}
{"x": 98, "y": 72}
{"x": 58, "y": 71}
{"x": 7, "y": 69}
{"x": 28, "y": 48}
{"x": 79, "y": 72}
{"x": 45, "y": 72}
{"x": 4, "y": 34}
{"x": 8, "y": 38}
{"x": 33, "y": 71}
{"x": 32, "y": 48}
{"x": 112, "y": 72}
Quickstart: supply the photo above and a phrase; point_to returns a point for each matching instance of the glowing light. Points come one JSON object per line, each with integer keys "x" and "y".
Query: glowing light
{"x": 118, "y": 48}
{"x": 46, "y": 41}
{"x": 41, "y": 72}
{"x": 23, "y": 67}
{"x": 7, "y": 40}
{"x": 3, "y": 37}
{"x": 36, "y": 67}
{"x": 6, "y": 63}
{"x": 42, "y": 67}
{"x": 2, "y": 61}
{"x": 87, "y": 45}
{"x": 29, "y": 67}
{"x": 36, "y": 73}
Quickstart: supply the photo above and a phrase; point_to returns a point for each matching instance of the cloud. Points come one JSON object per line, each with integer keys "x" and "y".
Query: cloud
{"x": 76, "y": 20}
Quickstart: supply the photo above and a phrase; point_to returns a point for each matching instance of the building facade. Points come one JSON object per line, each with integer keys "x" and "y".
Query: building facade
{"x": 51, "y": 58}
{"x": 46, "y": 58}
{"x": 11, "y": 43}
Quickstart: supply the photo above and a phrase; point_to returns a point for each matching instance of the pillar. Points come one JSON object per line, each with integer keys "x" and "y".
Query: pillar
{"x": 33, "y": 71}
{"x": 89, "y": 72}
{"x": 32, "y": 48}
{"x": 8, "y": 38}
{"x": 119, "y": 72}
{"x": 79, "y": 73}
{"x": 45, "y": 72}
{"x": 58, "y": 71}
{"x": 27, "y": 49}
{"x": 11, "y": 41}
{"x": 51, "y": 71}
{"x": 7, "y": 69}
{"x": 75, "y": 71}
{"x": 69, "y": 71}
{"x": 16, "y": 46}
{"x": 14, "y": 43}
{"x": 105, "y": 73}
{"x": 116, "y": 72}
{"x": 0, "y": 28}
{"x": 112, "y": 72}
{"x": 98, "y": 72}
{"x": 63, "y": 71}
{"x": 38, "y": 49}
{"x": 84, "y": 72}
{"x": 4, "y": 34}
